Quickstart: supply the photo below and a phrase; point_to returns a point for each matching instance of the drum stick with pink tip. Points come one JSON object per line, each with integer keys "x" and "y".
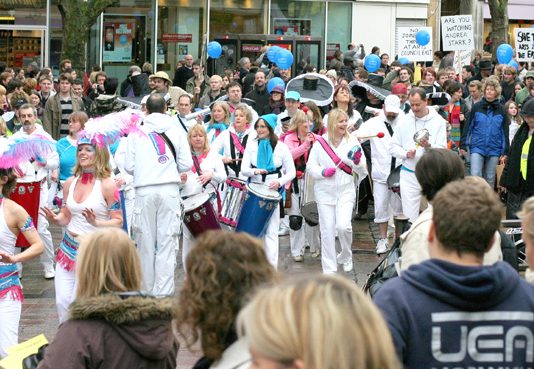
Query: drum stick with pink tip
{"x": 378, "y": 135}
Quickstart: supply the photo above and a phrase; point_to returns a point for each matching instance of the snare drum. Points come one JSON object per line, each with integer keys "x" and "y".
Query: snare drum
{"x": 233, "y": 201}
{"x": 260, "y": 203}
{"x": 27, "y": 195}
{"x": 199, "y": 215}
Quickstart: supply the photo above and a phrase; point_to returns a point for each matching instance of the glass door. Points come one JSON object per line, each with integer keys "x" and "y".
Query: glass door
{"x": 307, "y": 53}
{"x": 20, "y": 47}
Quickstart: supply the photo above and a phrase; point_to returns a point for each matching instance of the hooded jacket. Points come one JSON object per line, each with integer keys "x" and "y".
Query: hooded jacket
{"x": 445, "y": 315}
{"x": 111, "y": 332}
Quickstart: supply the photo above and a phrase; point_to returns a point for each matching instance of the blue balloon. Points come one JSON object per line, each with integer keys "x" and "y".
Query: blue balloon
{"x": 284, "y": 59}
{"x": 404, "y": 61}
{"x": 372, "y": 63}
{"x": 271, "y": 53}
{"x": 422, "y": 37}
{"x": 514, "y": 64}
{"x": 504, "y": 53}
{"x": 214, "y": 50}
{"x": 273, "y": 82}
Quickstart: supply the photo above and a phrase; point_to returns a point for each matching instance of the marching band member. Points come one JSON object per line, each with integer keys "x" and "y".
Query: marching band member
{"x": 38, "y": 171}
{"x": 90, "y": 201}
{"x": 386, "y": 202}
{"x": 335, "y": 191}
{"x": 405, "y": 148}
{"x": 13, "y": 219}
{"x": 232, "y": 142}
{"x": 205, "y": 176}
{"x": 269, "y": 161}
{"x": 299, "y": 140}
{"x": 185, "y": 103}
{"x": 219, "y": 122}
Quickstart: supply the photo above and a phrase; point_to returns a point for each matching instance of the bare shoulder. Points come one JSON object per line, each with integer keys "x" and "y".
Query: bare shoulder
{"x": 108, "y": 185}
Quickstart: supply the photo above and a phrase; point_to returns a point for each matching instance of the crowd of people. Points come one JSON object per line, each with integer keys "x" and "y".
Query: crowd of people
{"x": 428, "y": 144}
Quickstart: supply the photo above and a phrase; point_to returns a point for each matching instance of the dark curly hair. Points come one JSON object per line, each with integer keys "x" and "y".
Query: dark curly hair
{"x": 11, "y": 181}
{"x": 223, "y": 269}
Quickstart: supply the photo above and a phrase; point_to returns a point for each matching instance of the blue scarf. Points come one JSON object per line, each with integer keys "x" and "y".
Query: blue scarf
{"x": 218, "y": 126}
{"x": 265, "y": 155}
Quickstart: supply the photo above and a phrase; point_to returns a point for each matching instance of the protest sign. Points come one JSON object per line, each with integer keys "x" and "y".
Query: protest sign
{"x": 457, "y": 33}
{"x": 409, "y": 48}
{"x": 524, "y": 44}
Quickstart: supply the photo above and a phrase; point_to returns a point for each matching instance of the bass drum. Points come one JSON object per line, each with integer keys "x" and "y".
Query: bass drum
{"x": 308, "y": 207}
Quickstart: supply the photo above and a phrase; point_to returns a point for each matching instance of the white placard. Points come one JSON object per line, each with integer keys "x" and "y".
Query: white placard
{"x": 465, "y": 60}
{"x": 408, "y": 47}
{"x": 524, "y": 44}
{"x": 457, "y": 33}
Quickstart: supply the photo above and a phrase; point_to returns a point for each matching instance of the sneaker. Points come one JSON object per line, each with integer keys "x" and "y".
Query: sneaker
{"x": 348, "y": 266}
{"x": 283, "y": 231}
{"x": 382, "y": 246}
{"x": 49, "y": 273}
{"x": 298, "y": 258}
{"x": 316, "y": 254}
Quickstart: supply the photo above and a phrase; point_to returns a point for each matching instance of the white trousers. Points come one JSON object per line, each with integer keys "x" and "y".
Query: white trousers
{"x": 10, "y": 311}
{"x": 155, "y": 226}
{"x": 298, "y": 238}
{"x": 335, "y": 219}
{"x": 410, "y": 195}
{"x": 386, "y": 202}
{"x": 47, "y": 257}
{"x": 270, "y": 240}
{"x": 65, "y": 285}
{"x": 129, "y": 202}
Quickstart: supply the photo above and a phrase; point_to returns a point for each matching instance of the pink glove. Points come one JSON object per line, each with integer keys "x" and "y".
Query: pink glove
{"x": 329, "y": 172}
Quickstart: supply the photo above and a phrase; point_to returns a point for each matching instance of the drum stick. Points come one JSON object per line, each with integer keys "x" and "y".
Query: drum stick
{"x": 378, "y": 135}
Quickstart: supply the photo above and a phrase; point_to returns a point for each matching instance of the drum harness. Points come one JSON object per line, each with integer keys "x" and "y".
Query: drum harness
{"x": 393, "y": 159}
{"x": 234, "y": 142}
{"x": 199, "y": 173}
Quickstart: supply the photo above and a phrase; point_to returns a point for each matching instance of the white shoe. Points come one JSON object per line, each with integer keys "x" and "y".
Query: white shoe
{"x": 348, "y": 266}
{"x": 283, "y": 231}
{"x": 382, "y": 246}
{"x": 298, "y": 258}
{"x": 49, "y": 273}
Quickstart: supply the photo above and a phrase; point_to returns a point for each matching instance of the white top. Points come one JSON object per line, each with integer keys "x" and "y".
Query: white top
{"x": 341, "y": 187}
{"x": 222, "y": 145}
{"x": 281, "y": 157}
{"x": 143, "y": 161}
{"x": 180, "y": 122}
{"x": 212, "y": 162}
{"x": 380, "y": 156}
{"x": 403, "y": 136}
{"x": 7, "y": 238}
{"x": 78, "y": 225}
{"x": 353, "y": 121}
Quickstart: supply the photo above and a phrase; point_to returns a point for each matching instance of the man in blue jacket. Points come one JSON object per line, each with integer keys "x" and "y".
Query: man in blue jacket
{"x": 451, "y": 311}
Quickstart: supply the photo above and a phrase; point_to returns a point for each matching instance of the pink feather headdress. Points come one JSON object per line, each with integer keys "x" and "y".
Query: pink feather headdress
{"x": 14, "y": 151}
{"x": 108, "y": 129}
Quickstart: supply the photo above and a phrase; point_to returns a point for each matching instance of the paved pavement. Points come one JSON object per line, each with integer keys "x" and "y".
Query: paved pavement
{"x": 39, "y": 312}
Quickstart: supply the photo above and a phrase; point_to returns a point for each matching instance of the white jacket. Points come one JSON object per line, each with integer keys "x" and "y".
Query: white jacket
{"x": 341, "y": 186}
{"x": 403, "y": 136}
{"x": 142, "y": 159}
{"x": 380, "y": 156}
{"x": 212, "y": 162}
{"x": 281, "y": 157}
{"x": 33, "y": 172}
{"x": 354, "y": 121}
{"x": 221, "y": 145}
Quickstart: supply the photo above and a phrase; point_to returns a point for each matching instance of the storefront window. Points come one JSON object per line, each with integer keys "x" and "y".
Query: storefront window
{"x": 339, "y": 27}
{"x": 305, "y": 18}
{"x": 180, "y": 30}
{"x": 23, "y": 12}
{"x": 236, "y": 17}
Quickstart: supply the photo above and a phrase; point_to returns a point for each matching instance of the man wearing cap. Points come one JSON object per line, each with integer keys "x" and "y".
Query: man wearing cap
{"x": 484, "y": 70}
{"x": 38, "y": 171}
{"x": 404, "y": 147}
{"x": 386, "y": 202}
{"x": 14, "y": 124}
{"x": 259, "y": 93}
{"x": 292, "y": 100}
{"x": 521, "y": 96}
{"x": 162, "y": 84}
{"x": 59, "y": 107}
{"x": 156, "y": 161}
{"x": 400, "y": 90}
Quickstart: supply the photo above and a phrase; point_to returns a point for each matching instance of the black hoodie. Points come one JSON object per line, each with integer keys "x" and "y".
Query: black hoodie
{"x": 444, "y": 315}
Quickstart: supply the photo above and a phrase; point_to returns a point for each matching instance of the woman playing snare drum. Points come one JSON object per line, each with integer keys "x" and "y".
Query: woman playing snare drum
{"x": 269, "y": 161}
{"x": 205, "y": 175}
{"x": 299, "y": 140}
{"x": 335, "y": 191}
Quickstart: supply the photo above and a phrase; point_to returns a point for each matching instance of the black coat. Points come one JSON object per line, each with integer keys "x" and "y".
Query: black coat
{"x": 511, "y": 177}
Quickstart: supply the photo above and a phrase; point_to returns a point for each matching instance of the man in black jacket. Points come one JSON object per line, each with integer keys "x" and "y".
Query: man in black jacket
{"x": 259, "y": 93}
{"x": 136, "y": 84}
{"x": 183, "y": 73}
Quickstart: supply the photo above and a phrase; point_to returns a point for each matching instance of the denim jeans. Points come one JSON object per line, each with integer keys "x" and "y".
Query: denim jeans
{"x": 484, "y": 166}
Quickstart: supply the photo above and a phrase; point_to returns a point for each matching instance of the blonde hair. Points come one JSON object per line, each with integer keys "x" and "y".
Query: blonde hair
{"x": 325, "y": 321}
{"x": 3, "y": 127}
{"x": 494, "y": 82}
{"x": 333, "y": 118}
{"x": 107, "y": 262}
{"x": 527, "y": 213}
{"x": 226, "y": 112}
{"x": 102, "y": 167}
{"x": 198, "y": 128}
{"x": 298, "y": 118}
{"x": 242, "y": 107}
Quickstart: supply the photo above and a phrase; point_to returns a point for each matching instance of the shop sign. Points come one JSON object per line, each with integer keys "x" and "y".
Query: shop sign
{"x": 177, "y": 37}
{"x": 251, "y": 48}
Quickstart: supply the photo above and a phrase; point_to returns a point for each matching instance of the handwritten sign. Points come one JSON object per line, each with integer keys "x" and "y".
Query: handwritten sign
{"x": 409, "y": 48}
{"x": 461, "y": 59}
{"x": 524, "y": 44}
{"x": 457, "y": 33}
